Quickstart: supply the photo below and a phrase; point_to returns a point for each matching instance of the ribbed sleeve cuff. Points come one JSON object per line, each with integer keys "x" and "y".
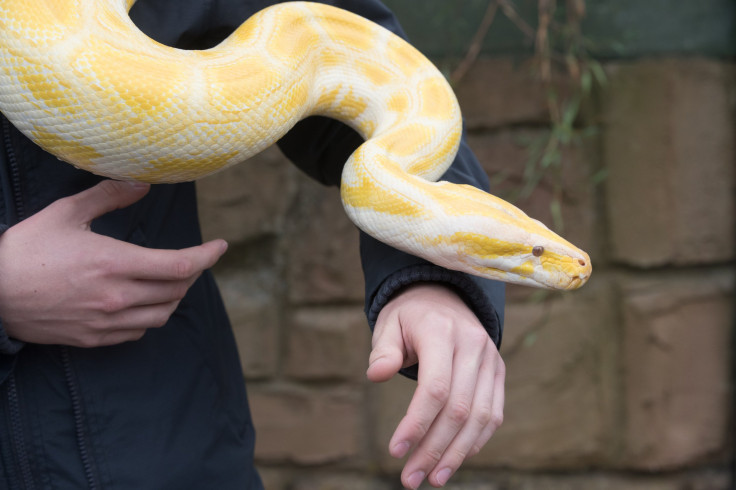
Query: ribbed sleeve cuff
{"x": 469, "y": 290}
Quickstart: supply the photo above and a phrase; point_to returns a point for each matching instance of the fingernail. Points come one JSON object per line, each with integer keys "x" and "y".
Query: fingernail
{"x": 416, "y": 479}
{"x": 223, "y": 247}
{"x": 443, "y": 475}
{"x": 401, "y": 449}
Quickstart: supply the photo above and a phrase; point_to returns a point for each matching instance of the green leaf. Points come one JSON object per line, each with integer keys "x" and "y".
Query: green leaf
{"x": 599, "y": 176}
{"x": 586, "y": 82}
{"x": 599, "y": 73}
{"x": 555, "y": 208}
{"x": 571, "y": 112}
{"x": 530, "y": 339}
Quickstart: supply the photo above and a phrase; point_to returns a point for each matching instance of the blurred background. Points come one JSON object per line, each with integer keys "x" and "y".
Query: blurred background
{"x": 613, "y": 122}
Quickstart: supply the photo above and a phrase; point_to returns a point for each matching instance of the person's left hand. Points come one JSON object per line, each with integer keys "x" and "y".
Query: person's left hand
{"x": 458, "y": 403}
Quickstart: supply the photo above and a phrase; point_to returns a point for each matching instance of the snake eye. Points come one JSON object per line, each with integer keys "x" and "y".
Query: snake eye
{"x": 538, "y": 251}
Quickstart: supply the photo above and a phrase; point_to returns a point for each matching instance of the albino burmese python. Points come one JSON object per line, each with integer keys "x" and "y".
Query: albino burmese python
{"x": 79, "y": 79}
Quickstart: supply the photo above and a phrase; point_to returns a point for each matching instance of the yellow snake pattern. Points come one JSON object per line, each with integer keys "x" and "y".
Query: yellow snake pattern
{"x": 80, "y": 80}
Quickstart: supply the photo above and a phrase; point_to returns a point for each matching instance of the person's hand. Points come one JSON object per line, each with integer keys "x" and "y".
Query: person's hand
{"x": 61, "y": 283}
{"x": 458, "y": 403}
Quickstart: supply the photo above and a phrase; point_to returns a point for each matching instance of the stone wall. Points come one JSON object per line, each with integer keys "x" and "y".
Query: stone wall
{"x": 624, "y": 384}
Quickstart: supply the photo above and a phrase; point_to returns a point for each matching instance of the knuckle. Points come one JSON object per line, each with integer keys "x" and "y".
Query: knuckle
{"x": 501, "y": 368}
{"x": 484, "y": 416}
{"x": 106, "y": 263}
{"x": 444, "y": 321}
{"x": 478, "y": 336}
{"x": 455, "y": 457}
{"x": 112, "y": 302}
{"x": 432, "y": 455}
{"x": 439, "y": 391}
{"x": 110, "y": 188}
{"x": 497, "y": 419}
{"x": 459, "y": 412}
{"x": 183, "y": 268}
{"x": 416, "y": 427}
{"x": 475, "y": 449}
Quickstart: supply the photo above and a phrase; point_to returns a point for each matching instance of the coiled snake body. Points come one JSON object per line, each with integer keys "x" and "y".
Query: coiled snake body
{"x": 79, "y": 79}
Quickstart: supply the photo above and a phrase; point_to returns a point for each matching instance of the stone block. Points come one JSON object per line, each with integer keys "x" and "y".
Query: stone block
{"x": 247, "y": 200}
{"x": 341, "y": 481}
{"x": 275, "y": 478}
{"x": 254, "y": 313}
{"x": 328, "y": 343}
{"x": 309, "y": 427}
{"x": 591, "y": 480}
{"x": 499, "y": 91}
{"x": 322, "y": 248}
{"x": 668, "y": 144}
{"x": 389, "y": 402}
{"x": 561, "y": 385}
{"x": 560, "y": 388}
{"x": 504, "y": 155}
{"x": 677, "y": 353}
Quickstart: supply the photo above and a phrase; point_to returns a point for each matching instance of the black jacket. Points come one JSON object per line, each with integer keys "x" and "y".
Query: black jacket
{"x": 170, "y": 410}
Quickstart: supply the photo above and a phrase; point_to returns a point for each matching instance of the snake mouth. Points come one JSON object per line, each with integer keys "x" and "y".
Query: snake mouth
{"x": 575, "y": 283}
{"x": 581, "y": 278}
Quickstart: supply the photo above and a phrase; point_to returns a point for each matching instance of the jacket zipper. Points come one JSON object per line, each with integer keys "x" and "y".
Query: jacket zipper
{"x": 14, "y": 171}
{"x": 16, "y": 425}
{"x": 15, "y": 415}
{"x": 19, "y": 443}
{"x": 80, "y": 428}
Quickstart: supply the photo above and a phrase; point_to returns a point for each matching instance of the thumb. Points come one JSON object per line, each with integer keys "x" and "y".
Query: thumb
{"x": 104, "y": 197}
{"x": 388, "y": 353}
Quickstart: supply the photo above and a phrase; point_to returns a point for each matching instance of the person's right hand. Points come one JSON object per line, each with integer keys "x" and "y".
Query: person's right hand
{"x": 61, "y": 283}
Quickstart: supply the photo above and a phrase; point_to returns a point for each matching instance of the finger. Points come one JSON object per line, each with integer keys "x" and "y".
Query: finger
{"x": 478, "y": 425}
{"x": 126, "y": 325}
{"x": 121, "y": 336}
{"x": 104, "y": 197}
{"x": 388, "y": 353}
{"x": 433, "y": 390}
{"x": 141, "y": 317}
{"x": 140, "y": 292}
{"x": 167, "y": 265}
{"x": 454, "y": 415}
{"x": 499, "y": 395}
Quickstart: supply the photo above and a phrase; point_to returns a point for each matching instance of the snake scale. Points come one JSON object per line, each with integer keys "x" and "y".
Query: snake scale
{"x": 83, "y": 82}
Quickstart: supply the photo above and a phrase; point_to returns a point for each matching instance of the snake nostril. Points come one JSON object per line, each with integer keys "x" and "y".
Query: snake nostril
{"x": 581, "y": 262}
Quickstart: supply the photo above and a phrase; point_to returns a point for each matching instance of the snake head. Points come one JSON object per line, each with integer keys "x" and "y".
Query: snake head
{"x": 492, "y": 238}
{"x": 559, "y": 265}
{"x": 534, "y": 261}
